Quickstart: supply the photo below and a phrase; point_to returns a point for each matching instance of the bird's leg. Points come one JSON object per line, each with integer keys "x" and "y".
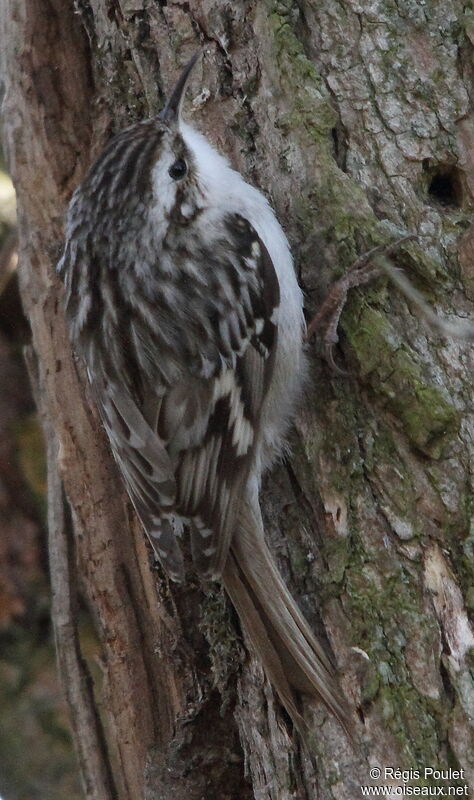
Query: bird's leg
{"x": 360, "y": 272}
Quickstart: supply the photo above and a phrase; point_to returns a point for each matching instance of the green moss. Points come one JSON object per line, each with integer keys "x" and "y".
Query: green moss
{"x": 470, "y": 599}
{"x": 298, "y": 556}
{"x": 423, "y": 269}
{"x": 370, "y": 685}
{"x": 428, "y": 418}
{"x": 312, "y": 107}
{"x": 395, "y": 483}
{"x": 225, "y": 651}
{"x": 380, "y": 608}
{"x": 337, "y": 554}
{"x": 395, "y": 375}
{"x": 332, "y": 204}
{"x": 409, "y": 719}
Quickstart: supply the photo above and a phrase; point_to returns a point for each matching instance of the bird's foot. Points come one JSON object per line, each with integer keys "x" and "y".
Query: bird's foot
{"x": 362, "y": 271}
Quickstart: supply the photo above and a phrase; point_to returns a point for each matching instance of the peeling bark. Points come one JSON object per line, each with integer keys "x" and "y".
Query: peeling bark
{"x": 94, "y": 765}
{"x": 356, "y": 121}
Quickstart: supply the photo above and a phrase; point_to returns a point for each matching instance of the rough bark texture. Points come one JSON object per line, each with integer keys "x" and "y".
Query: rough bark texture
{"x": 356, "y": 120}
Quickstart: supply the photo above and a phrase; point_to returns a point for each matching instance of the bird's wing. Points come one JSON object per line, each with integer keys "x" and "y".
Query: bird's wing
{"x": 145, "y": 466}
{"x": 188, "y": 450}
{"x": 217, "y": 432}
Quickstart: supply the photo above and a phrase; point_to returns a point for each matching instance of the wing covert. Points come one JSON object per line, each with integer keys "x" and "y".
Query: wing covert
{"x": 211, "y": 474}
{"x": 186, "y": 449}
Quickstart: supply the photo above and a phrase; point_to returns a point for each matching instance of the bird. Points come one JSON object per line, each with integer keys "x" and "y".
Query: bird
{"x": 182, "y": 300}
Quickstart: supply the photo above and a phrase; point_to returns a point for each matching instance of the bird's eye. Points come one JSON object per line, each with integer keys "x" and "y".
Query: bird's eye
{"x": 178, "y": 170}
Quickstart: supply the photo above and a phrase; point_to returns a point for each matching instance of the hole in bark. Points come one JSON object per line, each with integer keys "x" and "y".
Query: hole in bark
{"x": 114, "y": 12}
{"x": 446, "y": 681}
{"x": 339, "y": 140}
{"x": 444, "y": 184}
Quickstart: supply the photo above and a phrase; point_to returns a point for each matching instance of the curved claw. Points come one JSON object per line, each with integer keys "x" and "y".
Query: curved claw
{"x": 361, "y": 272}
{"x": 329, "y": 356}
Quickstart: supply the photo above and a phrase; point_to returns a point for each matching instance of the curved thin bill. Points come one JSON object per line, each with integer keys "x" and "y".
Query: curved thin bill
{"x": 172, "y": 109}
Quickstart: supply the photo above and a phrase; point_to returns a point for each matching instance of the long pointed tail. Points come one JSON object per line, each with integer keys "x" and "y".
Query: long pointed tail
{"x": 291, "y": 656}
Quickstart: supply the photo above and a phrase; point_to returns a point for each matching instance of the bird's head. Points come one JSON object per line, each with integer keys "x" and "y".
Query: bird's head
{"x": 175, "y": 171}
{"x": 160, "y": 169}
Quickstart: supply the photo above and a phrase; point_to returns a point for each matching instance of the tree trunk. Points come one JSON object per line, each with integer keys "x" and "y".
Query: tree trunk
{"x": 355, "y": 119}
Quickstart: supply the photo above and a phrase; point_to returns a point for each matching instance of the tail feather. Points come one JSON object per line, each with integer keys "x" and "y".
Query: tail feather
{"x": 256, "y": 629}
{"x": 292, "y": 657}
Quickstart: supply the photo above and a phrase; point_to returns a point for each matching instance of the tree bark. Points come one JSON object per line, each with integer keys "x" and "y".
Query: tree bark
{"x": 356, "y": 121}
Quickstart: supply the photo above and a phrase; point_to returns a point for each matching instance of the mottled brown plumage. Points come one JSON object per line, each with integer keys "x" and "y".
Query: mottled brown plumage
{"x": 182, "y": 300}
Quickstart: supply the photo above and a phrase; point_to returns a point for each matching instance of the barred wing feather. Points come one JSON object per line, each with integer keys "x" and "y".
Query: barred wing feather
{"x": 186, "y": 451}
